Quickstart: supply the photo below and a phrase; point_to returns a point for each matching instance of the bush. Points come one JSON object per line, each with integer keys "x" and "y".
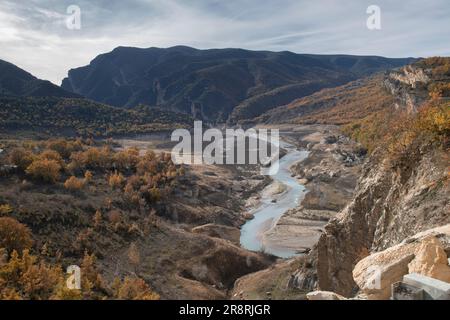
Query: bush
{"x": 74, "y": 184}
{"x": 44, "y": 170}
{"x": 51, "y": 155}
{"x": 135, "y": 289}
{"x": 14, "y": 235}
{"x": 116, "y": 180}
{"x": 88, "y": 176}
{"x": 21, "y": 157}
{"x": 64, "y": 147}
{"x": 5, "y": 210}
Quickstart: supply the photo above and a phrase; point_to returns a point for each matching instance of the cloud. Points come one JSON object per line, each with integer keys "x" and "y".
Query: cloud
{"x": 34, "y": 36}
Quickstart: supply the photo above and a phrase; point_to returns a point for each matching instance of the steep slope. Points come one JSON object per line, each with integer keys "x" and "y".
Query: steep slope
{"x": 17, "y": 82}
{"x": 404, "y": 186}
{"x": 339, "y": 105}
{"x": 214, "y": 84}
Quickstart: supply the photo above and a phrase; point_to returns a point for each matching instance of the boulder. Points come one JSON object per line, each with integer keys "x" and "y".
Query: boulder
{"x": 375, "y": 274}
{"x": 431, "y": 260}
{"x": 324, "y": 295}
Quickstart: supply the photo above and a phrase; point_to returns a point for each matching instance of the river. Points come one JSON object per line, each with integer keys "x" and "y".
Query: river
{"x": 268, "y": 212}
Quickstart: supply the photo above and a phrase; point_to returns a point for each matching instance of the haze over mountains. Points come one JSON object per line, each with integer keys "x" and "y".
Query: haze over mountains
{"x": 215, "y": 85}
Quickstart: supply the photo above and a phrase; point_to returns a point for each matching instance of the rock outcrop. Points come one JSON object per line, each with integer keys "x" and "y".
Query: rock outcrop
{"x": 431, "y": 260}
{"x": 390, "y": 205}
{"x": 408, "y": 85}
{"x": 423, "y": 253}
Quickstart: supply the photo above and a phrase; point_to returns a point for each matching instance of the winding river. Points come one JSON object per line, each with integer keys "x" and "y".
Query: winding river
{"x": 268, "y": 212}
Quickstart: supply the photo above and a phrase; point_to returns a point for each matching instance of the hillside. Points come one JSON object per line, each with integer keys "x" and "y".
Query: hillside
{"x": 47, "y": 116}
{"x": 339, "y": 105}
{"x": 215, "y": 85}
{"x": 17, "y": 82}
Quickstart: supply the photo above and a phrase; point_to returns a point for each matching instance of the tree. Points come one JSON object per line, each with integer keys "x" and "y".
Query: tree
{"x": 5, "y": 210}
{"x": 21, "y": 158}
{"x": 116, "y": 180}
{"x": 44, "y": 170}
{"x": 88, "y": 176}
{"x": 52, "y": 155}
{"x": 14, "y": 235}
{"x": 97, "y": 219}
{"x": 134, "y": 256}
{"x": 74, "y": 184}
{"x": 136, "y": 289}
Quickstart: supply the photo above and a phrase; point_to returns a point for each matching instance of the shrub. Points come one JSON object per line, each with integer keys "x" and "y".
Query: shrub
{"x": 97, "y": 219}
{"x": 23, "y": 277}
{"x": 155, "y": 194}
{"x": 127, "y": 159}
{"x": 5, "y": 210}
{"x": 51, "y": 155}
{"x": 44, "y": 170}
{"x": 96, "y": 158}
{"x": 14, "y": 235}
{"x": 115, "y": 217}
{"x": 74, "y": 184}
{"x": 116, "y": 180}
{"x": 21, "y": 157}
{"x": 135, "y": 289}
{"x": 88, "y": 176}
{"x": 64, "y": 147}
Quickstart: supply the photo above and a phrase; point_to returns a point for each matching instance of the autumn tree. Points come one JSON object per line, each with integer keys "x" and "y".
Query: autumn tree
{"x": 116, "y": 180}
{"x": 135, "y": 289}
{"x": 74, "y": 184}
{"x": 21, "y": 157}
{"x": 97, "y": 219}
{"x": 44, "y": 170}
{"x": 14, "y": 235}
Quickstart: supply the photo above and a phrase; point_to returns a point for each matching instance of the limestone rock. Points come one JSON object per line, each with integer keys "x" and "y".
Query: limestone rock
{"x": 431, "y": 260}
{"x": 324, "y": 295}
{"x": 375, "y": 274}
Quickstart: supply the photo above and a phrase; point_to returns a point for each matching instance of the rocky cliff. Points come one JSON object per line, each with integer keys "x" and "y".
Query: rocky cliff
{"x": 393, "y": 201}
{"x": 409, "y": 86}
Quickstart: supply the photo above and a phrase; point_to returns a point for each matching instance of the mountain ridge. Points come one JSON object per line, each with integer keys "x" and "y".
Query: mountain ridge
{"x": 215, "y": 84}
{"x": 15, "y": 81}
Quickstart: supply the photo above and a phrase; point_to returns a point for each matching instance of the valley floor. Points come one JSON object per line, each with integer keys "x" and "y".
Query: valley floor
{"x": 329, "y": 173}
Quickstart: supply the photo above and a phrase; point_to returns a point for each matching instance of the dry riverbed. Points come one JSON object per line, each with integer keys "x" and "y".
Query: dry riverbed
{"x": 330, "y": 175}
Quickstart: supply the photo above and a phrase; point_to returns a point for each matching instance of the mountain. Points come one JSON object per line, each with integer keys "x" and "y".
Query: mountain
{"x": 217, "y": 84}
{"x": 17, "y": 82}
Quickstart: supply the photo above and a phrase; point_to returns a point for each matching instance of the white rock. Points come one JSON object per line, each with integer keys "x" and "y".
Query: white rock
{"x": 324, "y": 295}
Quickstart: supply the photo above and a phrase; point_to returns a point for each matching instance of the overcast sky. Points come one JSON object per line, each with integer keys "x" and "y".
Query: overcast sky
{"x": 34, "y": 35}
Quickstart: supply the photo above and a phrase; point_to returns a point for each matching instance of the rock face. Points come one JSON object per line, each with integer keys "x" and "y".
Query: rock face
{"x": 388, "y": 207}
{"x": 431, "y": 260}
{"x": 400, "y": 83}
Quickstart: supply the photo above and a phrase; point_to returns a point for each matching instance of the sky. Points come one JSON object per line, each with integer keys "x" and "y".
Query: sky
{"x": 34, "y": 34}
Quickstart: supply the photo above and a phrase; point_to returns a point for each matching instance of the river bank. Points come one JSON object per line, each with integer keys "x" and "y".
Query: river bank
{"x": 329, "y": 174}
